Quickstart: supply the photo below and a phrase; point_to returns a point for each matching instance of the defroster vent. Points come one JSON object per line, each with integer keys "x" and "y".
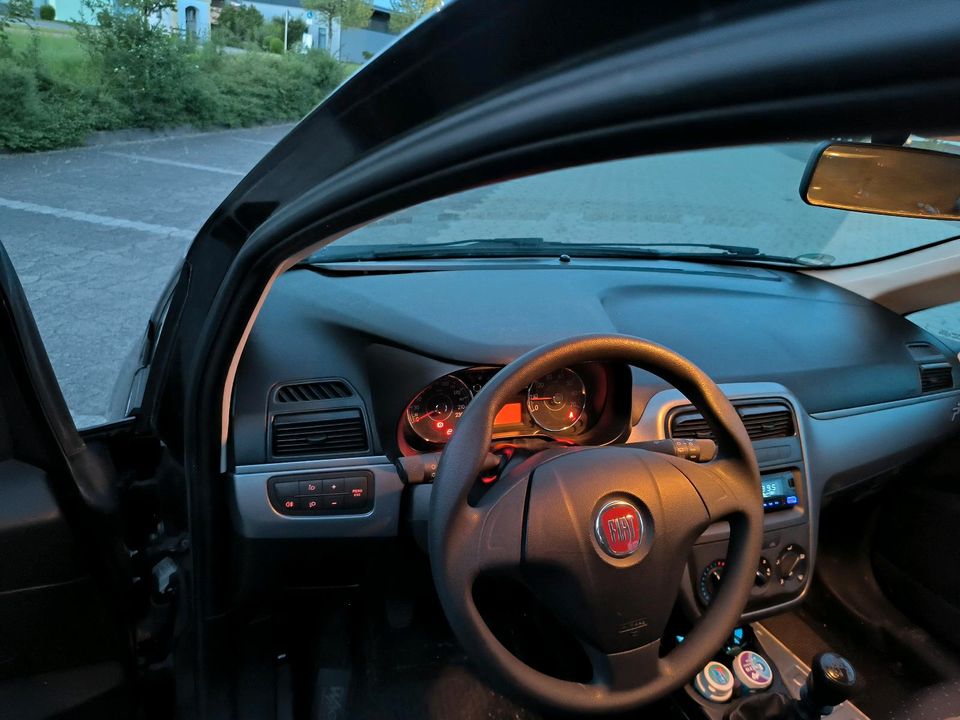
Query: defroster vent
{"x": 313, "y": 391}
{"x": 319, "y": 433}
{"x": 761, "y": 421}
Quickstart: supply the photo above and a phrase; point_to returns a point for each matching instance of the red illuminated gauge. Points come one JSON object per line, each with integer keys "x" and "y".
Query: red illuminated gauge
{"x": 556, "y": 401}
{"x": 435, "y": 412}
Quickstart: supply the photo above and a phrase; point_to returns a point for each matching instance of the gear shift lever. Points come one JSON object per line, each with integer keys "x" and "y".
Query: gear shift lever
{"x": 832, "y": 680}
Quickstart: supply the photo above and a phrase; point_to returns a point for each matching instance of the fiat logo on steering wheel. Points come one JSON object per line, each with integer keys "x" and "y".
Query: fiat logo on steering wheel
{"x": 619, "y": 528}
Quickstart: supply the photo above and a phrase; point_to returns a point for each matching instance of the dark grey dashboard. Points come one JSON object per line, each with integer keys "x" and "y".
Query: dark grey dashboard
{"x": 390, "y": 334}
{"x": 834, "y": 389}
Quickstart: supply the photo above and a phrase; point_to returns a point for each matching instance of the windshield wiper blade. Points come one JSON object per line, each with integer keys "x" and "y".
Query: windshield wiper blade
{"x": 738, "y": 250}
{"x": 454, "y": 248}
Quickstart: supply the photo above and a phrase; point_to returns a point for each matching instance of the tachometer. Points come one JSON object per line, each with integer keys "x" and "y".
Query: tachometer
{"x": 556, "y": 401}
{"x": 435, "y": 412}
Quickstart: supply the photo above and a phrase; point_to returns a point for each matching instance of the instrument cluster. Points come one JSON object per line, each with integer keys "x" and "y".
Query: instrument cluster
{"x": 566, "y": 404}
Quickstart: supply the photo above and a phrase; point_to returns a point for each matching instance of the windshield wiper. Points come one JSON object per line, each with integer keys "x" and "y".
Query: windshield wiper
{"x": 538, "y": 247}
{"x": 493, "y": 247}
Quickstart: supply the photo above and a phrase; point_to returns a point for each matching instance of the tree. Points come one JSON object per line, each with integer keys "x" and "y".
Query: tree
{"x": 19, "y": 10}
{"x": 350, "y": 13}
{"x": 407, "y": 12}
{"x": 238, "y": 23}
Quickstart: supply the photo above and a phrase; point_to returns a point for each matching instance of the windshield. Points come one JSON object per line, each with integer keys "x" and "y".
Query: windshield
{"x": 740, "y": 202}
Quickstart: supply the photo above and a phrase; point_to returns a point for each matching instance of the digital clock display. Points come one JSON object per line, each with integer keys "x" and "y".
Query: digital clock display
{"x": 778, "y": 491}
{"x": 774, "y": 487}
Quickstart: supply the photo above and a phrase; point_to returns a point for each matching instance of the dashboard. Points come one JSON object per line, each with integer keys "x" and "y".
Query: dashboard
{"x": 352, "y": 368}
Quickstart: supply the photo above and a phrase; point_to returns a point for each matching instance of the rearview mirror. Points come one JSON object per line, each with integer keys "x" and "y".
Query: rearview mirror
{"x": 886, "y": 180}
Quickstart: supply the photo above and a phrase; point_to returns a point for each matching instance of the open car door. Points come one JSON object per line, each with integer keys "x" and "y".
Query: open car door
{"x": 72, "y": 579}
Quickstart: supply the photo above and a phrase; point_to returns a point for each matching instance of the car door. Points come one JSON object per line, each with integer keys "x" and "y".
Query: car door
{"x": 78, "y": 591}
{"x": 440, "y": 112}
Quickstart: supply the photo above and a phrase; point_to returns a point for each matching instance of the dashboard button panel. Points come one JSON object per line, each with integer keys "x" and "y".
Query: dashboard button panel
{"x": 322, "y": 494}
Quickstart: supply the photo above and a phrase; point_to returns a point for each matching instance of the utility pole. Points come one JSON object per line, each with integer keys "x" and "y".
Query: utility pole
{"x": 286, "y": 25}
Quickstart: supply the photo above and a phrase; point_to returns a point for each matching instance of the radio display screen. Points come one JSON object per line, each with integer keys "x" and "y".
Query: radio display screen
{"x": 774, "y": 486}
{"x": 778, "y": 490}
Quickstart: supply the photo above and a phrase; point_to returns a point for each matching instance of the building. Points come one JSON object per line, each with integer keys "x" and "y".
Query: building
{"x": 355, "y": 45}
{"x": 191, "y": 19}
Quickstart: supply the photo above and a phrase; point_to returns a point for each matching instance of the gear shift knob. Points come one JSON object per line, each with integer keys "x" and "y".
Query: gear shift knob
{"x": 832, "y": 680}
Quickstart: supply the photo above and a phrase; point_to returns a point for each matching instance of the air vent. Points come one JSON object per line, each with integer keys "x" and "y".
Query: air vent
{"x": 762, "y": 422}
{"x": 936, "y": 376}
{"x": 324, "y": 433}
{"x": 312, "y": 391}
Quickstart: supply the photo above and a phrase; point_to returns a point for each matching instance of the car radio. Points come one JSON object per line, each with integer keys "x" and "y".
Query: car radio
{"x": 779, "y": 490}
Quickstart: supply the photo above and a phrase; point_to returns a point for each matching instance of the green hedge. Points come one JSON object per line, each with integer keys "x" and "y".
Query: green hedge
{"x": 159, "y": 82}
{"x": 48, "y": 12}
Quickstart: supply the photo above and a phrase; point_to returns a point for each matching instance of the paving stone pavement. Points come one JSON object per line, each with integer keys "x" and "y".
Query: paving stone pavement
{"x": 95, "y": 233}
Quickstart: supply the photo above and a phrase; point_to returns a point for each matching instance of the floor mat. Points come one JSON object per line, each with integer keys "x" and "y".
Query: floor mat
{"x": 420, "y": 673}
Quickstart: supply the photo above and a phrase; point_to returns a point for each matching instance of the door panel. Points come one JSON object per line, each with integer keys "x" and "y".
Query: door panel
{"x": 64, "y": 640}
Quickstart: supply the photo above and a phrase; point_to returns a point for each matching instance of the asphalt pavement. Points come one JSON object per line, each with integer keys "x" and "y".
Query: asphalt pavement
{"x": 95, "y": 233}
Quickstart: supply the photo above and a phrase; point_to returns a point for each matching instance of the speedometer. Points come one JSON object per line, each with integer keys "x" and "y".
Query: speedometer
{"x": 556, "y": 401}
{"x": 435, "y": 412}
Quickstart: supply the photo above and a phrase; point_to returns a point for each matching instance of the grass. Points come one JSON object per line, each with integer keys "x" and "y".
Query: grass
{"x": 60, "y": 51}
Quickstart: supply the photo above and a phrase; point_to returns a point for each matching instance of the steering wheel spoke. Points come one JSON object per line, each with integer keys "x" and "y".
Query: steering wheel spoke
{"x": 718, "y": 483}
{"x": 625, "y": 670}
{"x": 489, "y": 534}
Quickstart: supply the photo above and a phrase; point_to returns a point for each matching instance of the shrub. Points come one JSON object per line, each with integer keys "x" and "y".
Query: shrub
{"x": 237, "y": 24}
{"x": 295, "y": 30}
{"x": 144, "y": 68}
{"x": 48, "y": 12}
{"x": 256, "y": 88}
{"x": 275, "y": 45}
{"x": 37, "y": 114}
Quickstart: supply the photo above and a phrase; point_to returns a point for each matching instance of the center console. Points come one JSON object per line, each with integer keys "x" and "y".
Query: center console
{"x": 773, "y": 422}
{"x": 755, "y": 676}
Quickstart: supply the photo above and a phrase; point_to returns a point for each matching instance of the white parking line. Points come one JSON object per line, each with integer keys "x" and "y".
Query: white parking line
{"x": 268, "y": 143}
{"x": 176, "y": 163}
{"x": 104, "y": 220}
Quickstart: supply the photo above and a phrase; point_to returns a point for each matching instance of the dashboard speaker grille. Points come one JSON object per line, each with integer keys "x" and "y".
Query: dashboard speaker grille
{"x": 762, "y": 422}
{"x": 322, "y": 433}
{"x": 936, "y": 376}
{"x": 312, "y": 391}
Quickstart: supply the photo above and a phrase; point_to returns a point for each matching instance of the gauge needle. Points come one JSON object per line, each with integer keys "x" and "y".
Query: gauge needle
{"x": 544, "y": 399}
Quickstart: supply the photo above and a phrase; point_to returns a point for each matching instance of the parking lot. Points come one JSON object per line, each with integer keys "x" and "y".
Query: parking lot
{"x": 96, "y": 232}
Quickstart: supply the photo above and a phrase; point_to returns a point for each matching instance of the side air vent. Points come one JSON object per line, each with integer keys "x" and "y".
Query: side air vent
{"x": 323, "y": 433}
{"x": 936, "y": 376}
{"x": 762, "y": 422}
{"x": 311, "y": 391}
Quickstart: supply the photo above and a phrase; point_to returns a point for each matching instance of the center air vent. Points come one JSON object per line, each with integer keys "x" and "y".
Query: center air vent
{"x": 762, "y": 422}
{"x": 320, "y": 433}
{"x": 313, "y": 391}
{"x": 936, "y": 376}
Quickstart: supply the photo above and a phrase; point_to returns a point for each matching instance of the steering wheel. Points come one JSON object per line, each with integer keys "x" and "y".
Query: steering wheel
{"x": 599, "y": 535}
